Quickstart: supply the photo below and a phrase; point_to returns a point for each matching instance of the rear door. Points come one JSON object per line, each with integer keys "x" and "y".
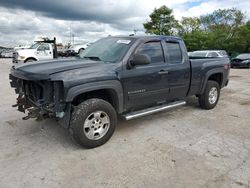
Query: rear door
{"x": 178, "y": 68}
{"x": 145, "y": 85}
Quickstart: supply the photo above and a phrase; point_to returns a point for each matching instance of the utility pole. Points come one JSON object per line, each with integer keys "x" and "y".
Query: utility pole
{"x": 135, "y": 31}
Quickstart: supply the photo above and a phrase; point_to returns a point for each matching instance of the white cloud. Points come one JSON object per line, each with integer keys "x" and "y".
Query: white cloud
{"x": 212, "y": 5}
{"x": 98, "y": 18}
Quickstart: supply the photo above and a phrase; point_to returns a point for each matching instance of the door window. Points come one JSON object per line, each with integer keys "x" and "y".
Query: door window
{"x": 43, "y": 47}
{"x": 174, "y": 52}
{"x": 153, "y": 50}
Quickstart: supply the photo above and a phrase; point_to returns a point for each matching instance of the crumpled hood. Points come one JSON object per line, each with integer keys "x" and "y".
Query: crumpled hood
{"x": 44, "y": 69}
{"x": 240, "y": 59}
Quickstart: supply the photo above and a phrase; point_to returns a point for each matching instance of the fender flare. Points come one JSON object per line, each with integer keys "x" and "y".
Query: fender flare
{"x": 210, "y": 73}
{"x": 114, "y": 85}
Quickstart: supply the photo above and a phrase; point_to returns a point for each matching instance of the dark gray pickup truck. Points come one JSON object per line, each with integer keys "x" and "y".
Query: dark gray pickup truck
{"x": 116, "y": 76}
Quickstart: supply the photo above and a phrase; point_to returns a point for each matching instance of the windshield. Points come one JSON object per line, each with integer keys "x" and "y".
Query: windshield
{"x": 107, "y": 49}
{"x": 199, "y": 54}
{"x": 34, "y": 46}
{"x": 243, "y": 56}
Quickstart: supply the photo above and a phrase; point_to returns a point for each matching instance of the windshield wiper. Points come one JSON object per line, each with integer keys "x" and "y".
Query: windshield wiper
{"x": 95, "y": 58}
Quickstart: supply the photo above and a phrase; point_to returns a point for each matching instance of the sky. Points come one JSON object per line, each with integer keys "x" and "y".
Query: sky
{"x": 22, "y": 21}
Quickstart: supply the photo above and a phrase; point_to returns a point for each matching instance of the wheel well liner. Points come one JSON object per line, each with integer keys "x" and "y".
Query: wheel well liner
{"x": 218, "y": 77}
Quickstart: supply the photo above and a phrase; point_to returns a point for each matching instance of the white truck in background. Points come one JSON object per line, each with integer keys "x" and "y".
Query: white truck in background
{"x": 41, "y": 50}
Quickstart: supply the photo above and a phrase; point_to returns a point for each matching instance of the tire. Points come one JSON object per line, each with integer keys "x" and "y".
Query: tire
{"x": 93, "y": 123}
{"x": 209, "y": 99}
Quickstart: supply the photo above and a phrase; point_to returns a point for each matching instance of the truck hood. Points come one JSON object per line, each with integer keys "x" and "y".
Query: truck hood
{"x": 25, "y": 51}
{"x": 43, "y": 70}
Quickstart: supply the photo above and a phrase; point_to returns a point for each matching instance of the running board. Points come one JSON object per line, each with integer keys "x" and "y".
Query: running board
{"x": 153, "y": 110}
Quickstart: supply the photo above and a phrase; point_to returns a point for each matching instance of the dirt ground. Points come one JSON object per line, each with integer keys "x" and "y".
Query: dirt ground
{"x": 186, "y": 147}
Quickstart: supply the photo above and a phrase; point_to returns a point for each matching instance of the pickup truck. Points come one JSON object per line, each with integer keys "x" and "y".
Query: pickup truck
{"x": 118, "y": 76}
{"x": 40, "y": 50}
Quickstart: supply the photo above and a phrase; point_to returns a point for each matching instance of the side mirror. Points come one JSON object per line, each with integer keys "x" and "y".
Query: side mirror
{"x": 140, "y": 59}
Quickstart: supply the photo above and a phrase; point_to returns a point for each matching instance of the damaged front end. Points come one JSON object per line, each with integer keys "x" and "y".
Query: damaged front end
{"x": 41, "y": 99}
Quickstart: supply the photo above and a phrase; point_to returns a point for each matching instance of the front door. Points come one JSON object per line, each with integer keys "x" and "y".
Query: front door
{"x": 146, "y": 85}
{"x": 44, "y": 52}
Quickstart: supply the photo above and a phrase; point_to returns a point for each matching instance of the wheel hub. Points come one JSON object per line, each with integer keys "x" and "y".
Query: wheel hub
{"x": 96, "y": 125}
{"x": 213, "y": 95}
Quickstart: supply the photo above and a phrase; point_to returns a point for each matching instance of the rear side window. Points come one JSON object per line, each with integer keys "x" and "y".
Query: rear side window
{"x": 153, "y": 50}
{"x": 174, "y": 52}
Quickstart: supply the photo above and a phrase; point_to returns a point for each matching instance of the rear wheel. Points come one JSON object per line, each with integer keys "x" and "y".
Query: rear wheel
{"x": 93, "y": 123}
{"x": 210, "y": 97}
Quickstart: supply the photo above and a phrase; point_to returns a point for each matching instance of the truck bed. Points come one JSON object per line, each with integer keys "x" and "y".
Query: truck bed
{"x": 200, "y": 66}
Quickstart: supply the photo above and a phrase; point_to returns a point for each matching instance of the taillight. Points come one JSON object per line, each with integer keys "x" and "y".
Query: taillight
{"x": 227, "y": 66}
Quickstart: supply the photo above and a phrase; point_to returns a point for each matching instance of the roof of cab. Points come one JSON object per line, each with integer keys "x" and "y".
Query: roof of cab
{"x": 159, "y": 37}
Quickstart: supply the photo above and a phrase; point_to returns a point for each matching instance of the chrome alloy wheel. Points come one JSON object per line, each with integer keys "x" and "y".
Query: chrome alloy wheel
{"x": 96, "y": 125}
{"x": 213, "y": 95}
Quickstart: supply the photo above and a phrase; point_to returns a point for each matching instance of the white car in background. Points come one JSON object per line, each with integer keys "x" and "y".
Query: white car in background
{"x": 7, "y": 54}
{"x": 208, "y": 53}
{"x": 77, "y": 48}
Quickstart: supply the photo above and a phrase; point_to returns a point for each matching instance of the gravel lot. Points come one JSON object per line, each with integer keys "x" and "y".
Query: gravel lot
{"x": 186, "y": 147}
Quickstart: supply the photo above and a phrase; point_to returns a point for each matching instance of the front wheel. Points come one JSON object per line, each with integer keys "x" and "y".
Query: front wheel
{"x": 210, "y": 97}
{"x": 93, "y": 123}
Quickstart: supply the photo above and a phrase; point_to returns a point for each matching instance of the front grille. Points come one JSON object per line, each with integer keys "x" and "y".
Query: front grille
{"x": 43, "y": 94}
{"x": 14, "y": 58}
{"x": 34, "y": 91}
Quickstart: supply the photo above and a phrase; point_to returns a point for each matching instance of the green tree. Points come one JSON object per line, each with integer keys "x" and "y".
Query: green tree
{"x": 223, "y": 20}
{"x": 189, "y": 25}
{"x": 162, "y": 22}
{"x": 223, "y": 29}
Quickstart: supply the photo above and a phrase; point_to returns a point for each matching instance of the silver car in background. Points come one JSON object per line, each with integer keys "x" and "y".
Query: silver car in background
{"x": 208, "y": 53}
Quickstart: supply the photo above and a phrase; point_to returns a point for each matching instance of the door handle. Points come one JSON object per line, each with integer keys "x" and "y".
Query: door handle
{"x": 163, "y": 72}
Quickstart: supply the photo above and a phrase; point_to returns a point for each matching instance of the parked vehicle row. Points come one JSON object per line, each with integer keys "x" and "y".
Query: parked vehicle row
{"x": 46, "y": 50}
{"x": 6, "y": 53}
{"x": 208, "y": 53}
{"x": 241, "y": 61}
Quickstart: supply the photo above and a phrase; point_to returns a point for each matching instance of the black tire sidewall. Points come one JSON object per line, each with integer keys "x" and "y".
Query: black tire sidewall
{"x": 204, "y": 99}
{"x": 79, "y": 116}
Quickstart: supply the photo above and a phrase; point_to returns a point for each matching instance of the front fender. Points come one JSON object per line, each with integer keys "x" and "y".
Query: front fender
{"x": 115, "y": 85}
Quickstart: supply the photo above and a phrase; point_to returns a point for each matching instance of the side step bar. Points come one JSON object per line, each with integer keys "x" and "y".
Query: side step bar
{"x": 153, "y": 110}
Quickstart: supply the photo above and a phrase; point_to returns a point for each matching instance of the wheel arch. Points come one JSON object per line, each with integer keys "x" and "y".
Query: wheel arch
{"x": 214, "y": 75}
{"x": 80, "y": 50}
{"x": 30, "y": 58}
{"x": 110, "y": 91}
